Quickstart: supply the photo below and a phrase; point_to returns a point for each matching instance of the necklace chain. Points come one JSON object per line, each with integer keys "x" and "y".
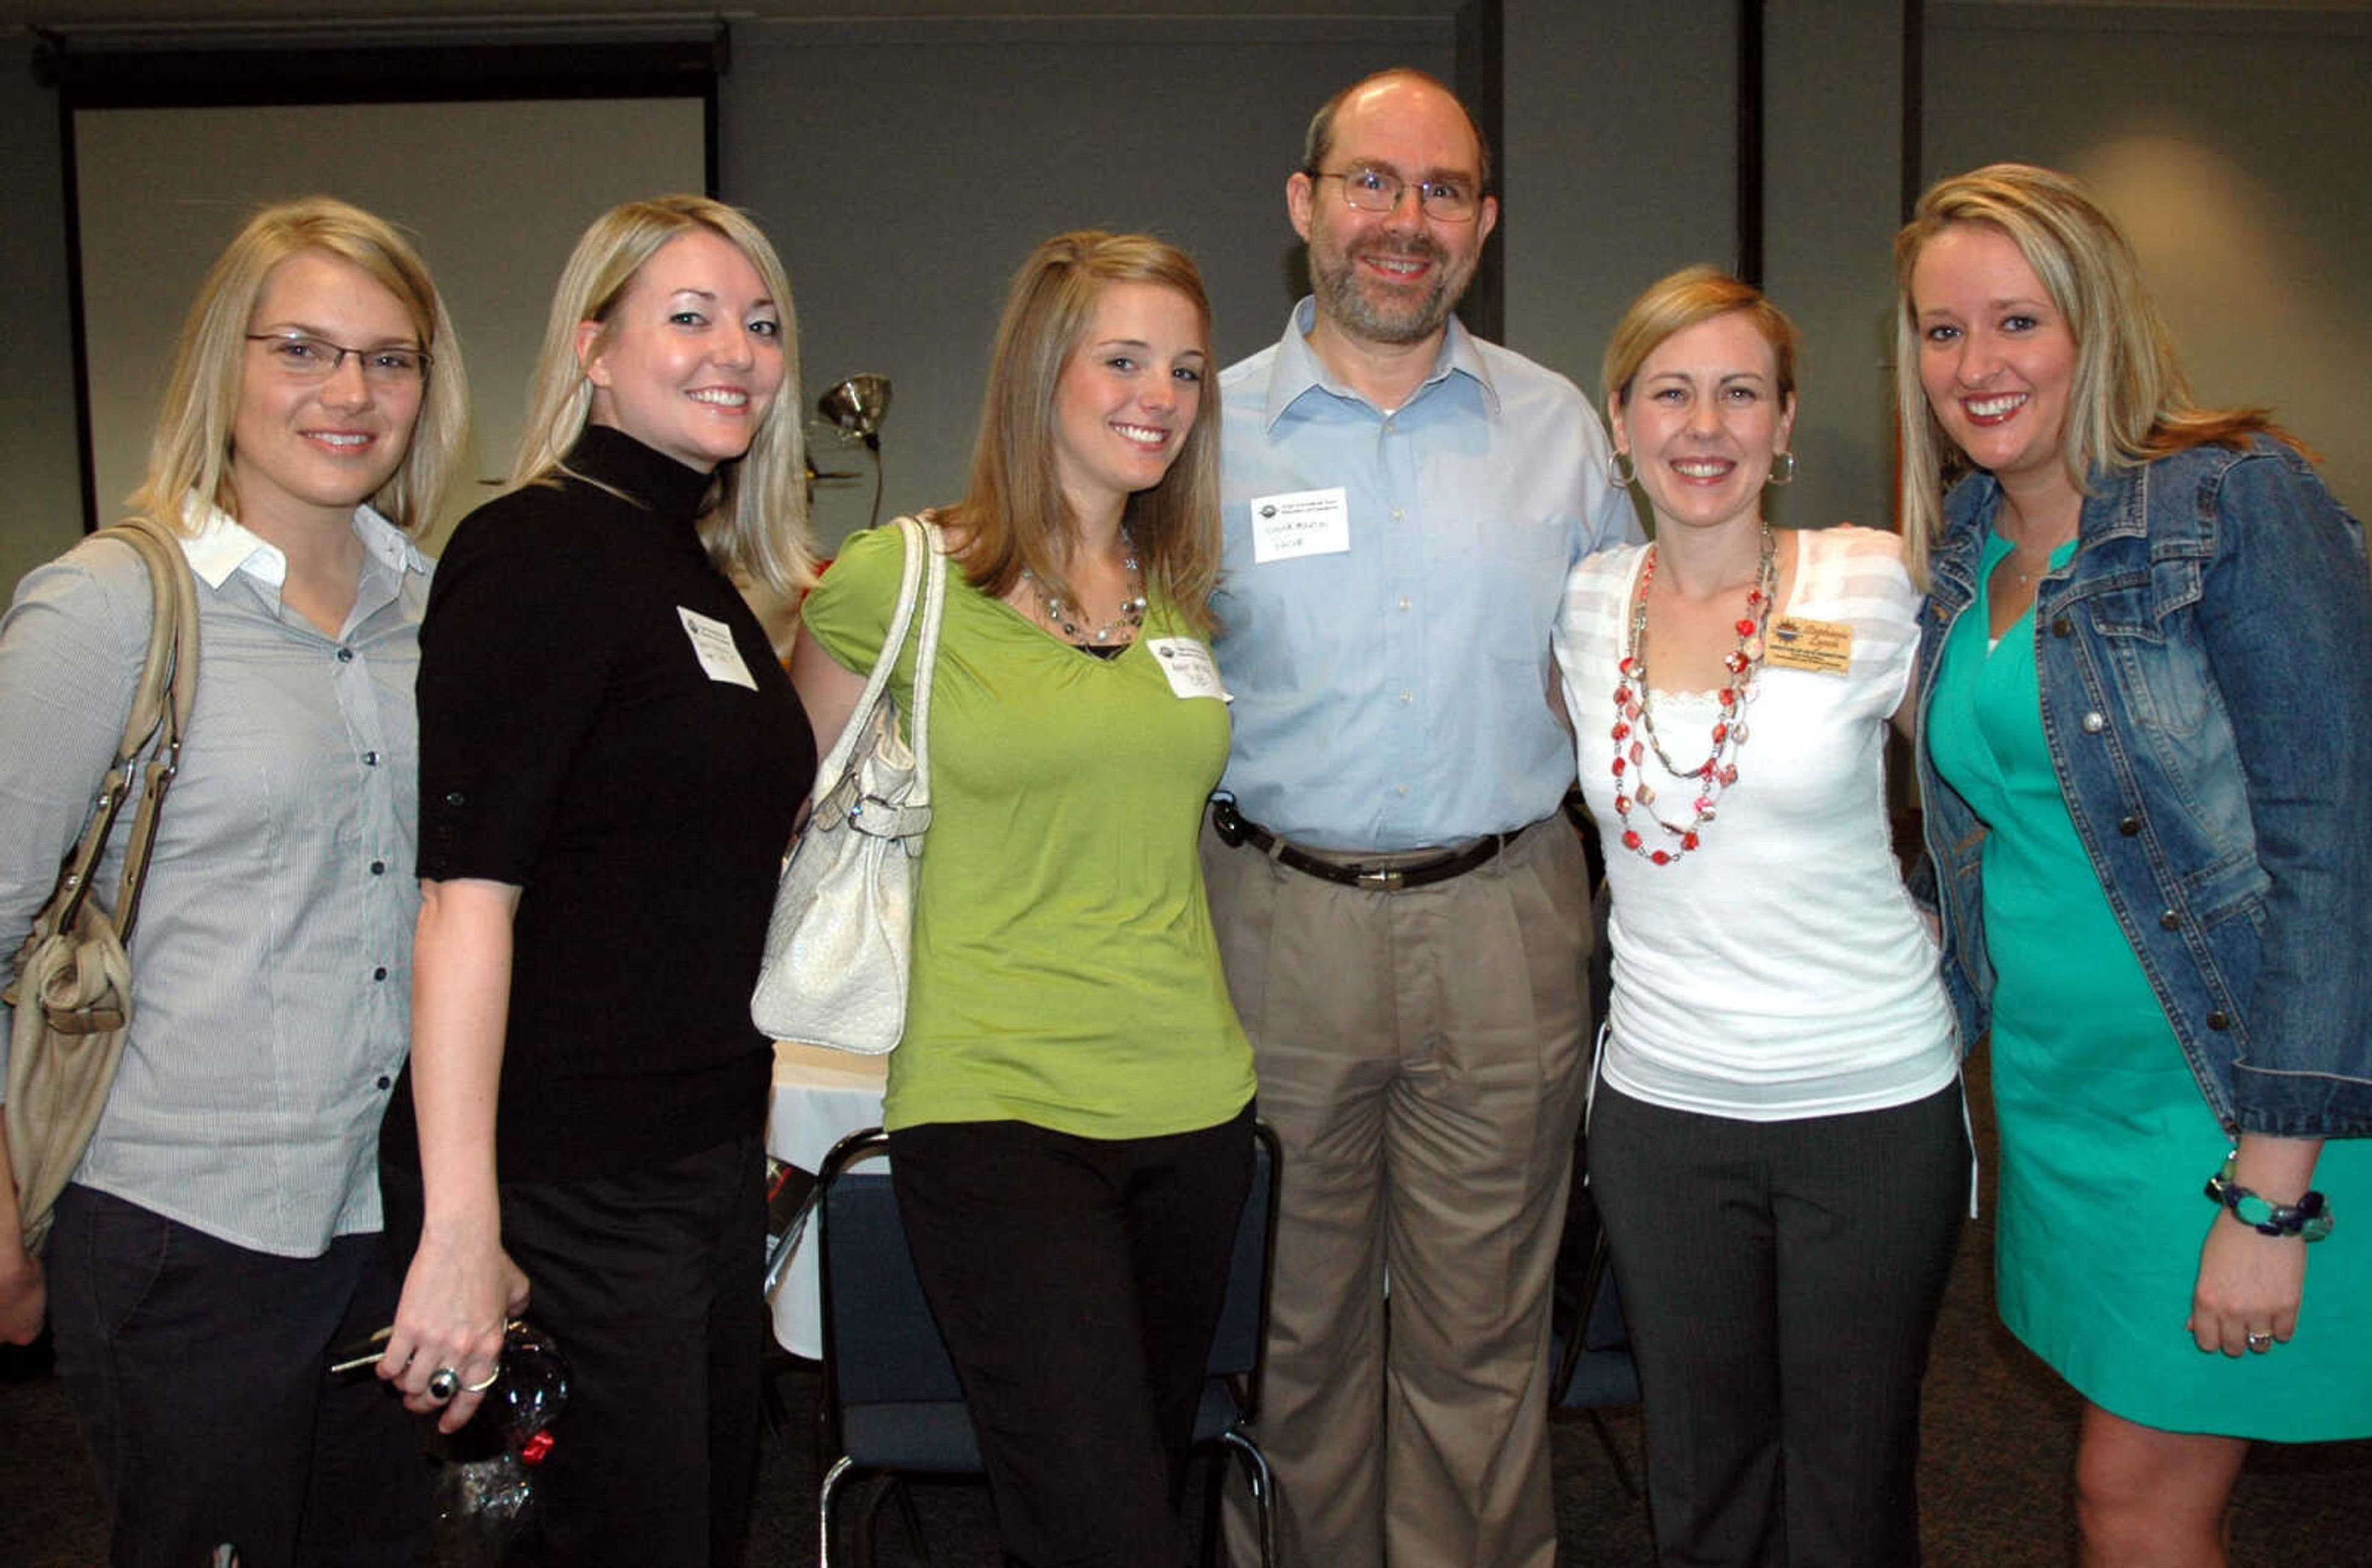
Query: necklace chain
{"x": 1635, "y": 719}
{"x": 1064, "y": 618}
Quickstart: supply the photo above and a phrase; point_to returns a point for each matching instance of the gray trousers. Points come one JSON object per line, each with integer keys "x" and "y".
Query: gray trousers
{"x": 1781, "y": 1280}
{"x": 1421, "y": 1059}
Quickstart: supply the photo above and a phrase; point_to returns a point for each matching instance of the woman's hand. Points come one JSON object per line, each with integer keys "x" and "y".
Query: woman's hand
{"x": 2250, "y": 1283}
{"x": 24, "y": 1293}
{"x": 458, "y": 1293}
{"x": 461, "y": 1285}
{"x": 24, "y": 1289}
{"x": 2247, "y": 1284}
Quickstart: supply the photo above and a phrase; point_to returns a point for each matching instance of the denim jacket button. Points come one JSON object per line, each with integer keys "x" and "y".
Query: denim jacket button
{"x": 2219, "y": 1019}
{"x": 2095, "y": 722}
{"x": 2129, "y": 826}
{"x": 2062, "y": 627}
{"x": 2171, "y": 920}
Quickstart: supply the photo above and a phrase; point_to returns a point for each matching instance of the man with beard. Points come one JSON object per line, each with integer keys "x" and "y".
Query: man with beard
{"x": 1401, "y": 907}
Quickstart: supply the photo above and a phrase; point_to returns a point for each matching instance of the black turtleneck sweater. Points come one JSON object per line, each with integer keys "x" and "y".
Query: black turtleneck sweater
{"x": 573, "y": 742}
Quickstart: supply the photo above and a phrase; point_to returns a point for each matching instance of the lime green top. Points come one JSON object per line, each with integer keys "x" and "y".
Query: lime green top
{"x": 1065, "y": 973}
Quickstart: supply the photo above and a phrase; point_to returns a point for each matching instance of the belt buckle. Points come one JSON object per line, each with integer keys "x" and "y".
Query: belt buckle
{"x": 1382, "y": 878}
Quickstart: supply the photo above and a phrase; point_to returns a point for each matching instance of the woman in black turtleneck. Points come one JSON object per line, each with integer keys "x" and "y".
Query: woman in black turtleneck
{"x": 611, "y": 762}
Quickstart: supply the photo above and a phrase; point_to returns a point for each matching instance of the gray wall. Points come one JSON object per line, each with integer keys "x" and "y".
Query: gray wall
{"x": 906, "y": 165}
{"x": 2231, "y": 146}
{"x": 41, "y": 514}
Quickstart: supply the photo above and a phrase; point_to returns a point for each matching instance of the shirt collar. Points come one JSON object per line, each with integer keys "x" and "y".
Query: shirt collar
{"x": 1298, "y": 369}
{"x": 217, "y": 544}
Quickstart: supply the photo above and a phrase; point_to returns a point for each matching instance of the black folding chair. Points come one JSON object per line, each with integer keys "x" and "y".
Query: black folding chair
{"x": 892, "y": 1404}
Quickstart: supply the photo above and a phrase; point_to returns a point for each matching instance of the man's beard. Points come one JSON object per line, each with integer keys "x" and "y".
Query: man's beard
{"x": 1395, "y": 317}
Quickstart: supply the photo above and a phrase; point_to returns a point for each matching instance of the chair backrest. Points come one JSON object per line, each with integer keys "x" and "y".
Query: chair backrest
{"x": 1239, "y": 1348}
{"x": 880, "y": 1343}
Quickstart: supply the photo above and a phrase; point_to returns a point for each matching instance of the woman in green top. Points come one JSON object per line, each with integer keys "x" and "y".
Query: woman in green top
{"x": 1070, "y": 1109}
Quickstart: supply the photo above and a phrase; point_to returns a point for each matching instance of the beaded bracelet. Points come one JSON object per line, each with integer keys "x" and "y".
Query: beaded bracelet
{"x": 2308, "y": 1219}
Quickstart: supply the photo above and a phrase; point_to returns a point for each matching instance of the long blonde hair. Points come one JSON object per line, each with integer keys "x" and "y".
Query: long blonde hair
{"x": 754, "y": 525}
{"x": 1013, "y": 513}
{"x": 2129, "y": 401}
{"x": 191, "y": 452}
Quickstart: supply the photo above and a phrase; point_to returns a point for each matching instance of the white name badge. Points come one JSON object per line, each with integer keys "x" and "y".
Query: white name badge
{"x": 712, "y": 644}
{"x": 1189, "y": 666}
{"x": 1300, "y": 522}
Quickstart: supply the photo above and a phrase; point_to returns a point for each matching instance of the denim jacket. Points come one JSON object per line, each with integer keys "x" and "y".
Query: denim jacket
{"x": 2205, "y": 665}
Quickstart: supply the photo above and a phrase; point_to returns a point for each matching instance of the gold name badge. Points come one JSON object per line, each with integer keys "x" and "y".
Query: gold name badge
{"x": 1824, "y": 647}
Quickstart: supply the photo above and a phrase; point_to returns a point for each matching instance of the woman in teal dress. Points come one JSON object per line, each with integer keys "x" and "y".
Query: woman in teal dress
{"x": 2144, "y": 757}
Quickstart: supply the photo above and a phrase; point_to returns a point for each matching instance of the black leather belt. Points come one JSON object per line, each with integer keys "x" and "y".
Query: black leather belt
{"x": 1233, "y": 829}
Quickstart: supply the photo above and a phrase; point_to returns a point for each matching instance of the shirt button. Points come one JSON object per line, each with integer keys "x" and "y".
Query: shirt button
{"x": 370, "y": 759}
{"x": 2171, "y": 920}
{"x": 2060, "y": 626}
{"x": 1407, "y": 697}
{"x": 1399, "y": 789}
{"x": 385, "y": 1081}
{"x": 2219, "y": 1019}
{"x": 1399, "y": 515}
{"x": 1405, "y": 604}
{"x": 2094, "y": 723}
{"x": 455, "y": 797}
{"x": 345, "y": 655}
{"x": 2129, "y": 826}
{"x": 378, "y": 867}
{"x": 379, "y": 973}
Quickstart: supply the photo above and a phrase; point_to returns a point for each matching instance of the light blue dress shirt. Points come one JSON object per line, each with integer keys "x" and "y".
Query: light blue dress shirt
{"x": 1394, "y": 695}
{"x": 271, "y": 969}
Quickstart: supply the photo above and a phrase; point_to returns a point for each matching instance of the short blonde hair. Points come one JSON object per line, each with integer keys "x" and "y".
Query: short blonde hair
{"x": 1013, "y": 509}
{"x": 1676, "y": 303}
{"x": 191, "y": 451}
{"x": 754, "y": 525}
{"x": 2128, "y": 401}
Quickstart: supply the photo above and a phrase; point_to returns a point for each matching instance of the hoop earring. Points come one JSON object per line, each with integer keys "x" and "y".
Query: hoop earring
{"x": 1622, "y": 471}
{"x": 1781, "y": 475}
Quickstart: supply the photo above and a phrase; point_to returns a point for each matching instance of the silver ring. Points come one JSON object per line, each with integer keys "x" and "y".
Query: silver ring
{"x": 491, "y": 1379}
{"x": 443, "y": 1384}
{"x": 2261, "y": 1343}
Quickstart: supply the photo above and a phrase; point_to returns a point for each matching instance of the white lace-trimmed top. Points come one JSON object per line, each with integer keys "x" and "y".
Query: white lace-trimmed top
{"x": 1779, "y": 970}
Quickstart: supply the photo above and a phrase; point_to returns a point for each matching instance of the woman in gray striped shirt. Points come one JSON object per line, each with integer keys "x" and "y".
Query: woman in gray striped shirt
{"x": 222, "y": 1231}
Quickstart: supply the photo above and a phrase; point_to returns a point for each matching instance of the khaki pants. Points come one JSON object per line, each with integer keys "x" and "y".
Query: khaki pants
{"x": 1422, "y": 1056}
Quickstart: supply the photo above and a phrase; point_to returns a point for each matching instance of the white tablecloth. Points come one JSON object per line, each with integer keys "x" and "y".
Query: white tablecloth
{"x": 819, "y": 1097}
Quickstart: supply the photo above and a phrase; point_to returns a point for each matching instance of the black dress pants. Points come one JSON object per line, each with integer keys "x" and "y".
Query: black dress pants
{"x": 1077, "y": 1282}
{"x": 1781, "y": 1281}
{"x": 196, "y": 1370}
{"x": 652, "y": 1284}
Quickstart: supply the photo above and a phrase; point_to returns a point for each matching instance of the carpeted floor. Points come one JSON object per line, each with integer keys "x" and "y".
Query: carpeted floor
{"x": 1993, "y": 1472}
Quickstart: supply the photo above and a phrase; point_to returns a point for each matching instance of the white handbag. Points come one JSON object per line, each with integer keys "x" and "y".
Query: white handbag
{"x": 841, "y": 942}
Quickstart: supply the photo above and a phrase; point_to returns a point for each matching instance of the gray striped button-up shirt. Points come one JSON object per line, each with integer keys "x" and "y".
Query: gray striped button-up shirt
{"x": 271, "y": 969}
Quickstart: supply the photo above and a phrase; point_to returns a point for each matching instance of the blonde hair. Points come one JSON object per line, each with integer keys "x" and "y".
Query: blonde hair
{"x": 1014, "y": 511}
{"x": 2128, "y": 400}
{"x": 192, "y": 449}
{"x": 1676, "y": 303}
{"x": 754, "y": 524}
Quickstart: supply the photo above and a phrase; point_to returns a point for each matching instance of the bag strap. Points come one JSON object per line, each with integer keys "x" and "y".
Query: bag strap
{"x": 161, "y": 701}
{"x": 927, "y": 657}
{"x": 844, "y": 751}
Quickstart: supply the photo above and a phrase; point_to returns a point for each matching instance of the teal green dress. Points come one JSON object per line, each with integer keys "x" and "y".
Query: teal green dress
{"x": 2105, "y": 1140}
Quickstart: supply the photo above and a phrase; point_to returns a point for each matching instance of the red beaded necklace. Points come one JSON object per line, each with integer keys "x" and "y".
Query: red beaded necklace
{"x": 1635, "y": 721}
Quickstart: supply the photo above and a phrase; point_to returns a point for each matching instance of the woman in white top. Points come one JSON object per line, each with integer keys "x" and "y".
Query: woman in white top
{"x": 1776, "y": 1144}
